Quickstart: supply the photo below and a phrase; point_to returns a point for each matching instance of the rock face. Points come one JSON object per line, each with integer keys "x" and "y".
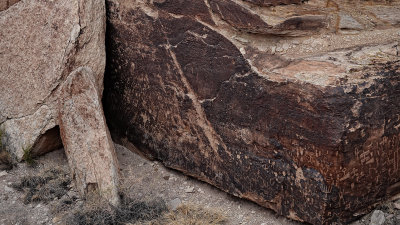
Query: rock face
{"x": 295, "y": 107}
{"x": 52, "y": 59}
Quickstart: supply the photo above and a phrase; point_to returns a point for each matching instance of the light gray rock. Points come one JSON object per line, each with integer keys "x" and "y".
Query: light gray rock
{"x": 396, "y": 205}
{"x": 3, "y": 173}
{"x": 377, "y": 218}
{"x": 349, "y": 23}
{"x": 174, "y": 204}
{"x": 189, "y": 189}
{"x": 388, "y": 14}
{"x": 8, "y": 189}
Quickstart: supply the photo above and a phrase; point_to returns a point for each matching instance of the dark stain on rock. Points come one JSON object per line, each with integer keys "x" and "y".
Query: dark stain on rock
{"x": 194, "y": 9}
{"x": 274, "y": 2}
{"x": 238, "y": 17}
{"x": 206, "y": 57}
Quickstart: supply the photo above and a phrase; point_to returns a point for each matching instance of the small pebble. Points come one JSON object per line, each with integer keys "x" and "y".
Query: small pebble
{"x": 273, "y": 49}
{"x": 174, "y": 204}
{"x": 396, "y": 205}
{"x": 285, "y": 46}
{"x": 7, "y": 189}
{"x": 56, "y": 219}
{"x": 3, "y": 173}
{"x": 189, "y": 190}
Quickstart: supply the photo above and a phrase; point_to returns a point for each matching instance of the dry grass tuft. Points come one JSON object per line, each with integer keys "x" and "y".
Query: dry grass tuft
{"x": 130, "y": 211}
{"x": 5, "y": 159}
{"x": 27, "y": 156}
{"x": 46, "y": 186}
{"x": 137, "y": 212}
{"x": 191, "y": 215}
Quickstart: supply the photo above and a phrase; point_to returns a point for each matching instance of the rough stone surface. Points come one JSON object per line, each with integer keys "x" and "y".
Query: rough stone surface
{"x": 174, "y": 204}
{"x": 272, "y": 104}
{"x": 52, "y": 53}
{"x": 347, "y": 22}
{"x": 84, "y": 132}
{"x": 377, "y": 218}
{"x": 273, "y": 2}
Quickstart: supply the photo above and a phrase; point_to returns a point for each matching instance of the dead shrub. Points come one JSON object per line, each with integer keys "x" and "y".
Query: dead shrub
{"x": 130, "y": 211}
{"x": 46, "y": 186}
{"x": 191, "y": 215}
{"x": 5, "y": 159}
{"x": 145, "y": 213}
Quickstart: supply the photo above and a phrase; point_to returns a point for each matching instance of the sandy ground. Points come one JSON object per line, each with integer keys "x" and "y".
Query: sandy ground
{"x": 141, "y": 179}
{"x": 145, "y": 179}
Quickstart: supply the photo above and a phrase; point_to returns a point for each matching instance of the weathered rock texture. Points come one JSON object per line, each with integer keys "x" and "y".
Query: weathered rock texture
{"x": 295, "y": 107}
{"x": 52, "y": 59}
{"x": 5, "y": 4}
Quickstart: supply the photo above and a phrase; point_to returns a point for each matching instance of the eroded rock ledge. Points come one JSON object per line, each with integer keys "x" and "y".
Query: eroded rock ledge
{"x": 295, "y": 107}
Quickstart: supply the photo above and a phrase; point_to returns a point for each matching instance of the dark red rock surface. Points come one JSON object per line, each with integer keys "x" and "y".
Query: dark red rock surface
{"x": 274, "y": 2}
{"x": 306, "y": 129}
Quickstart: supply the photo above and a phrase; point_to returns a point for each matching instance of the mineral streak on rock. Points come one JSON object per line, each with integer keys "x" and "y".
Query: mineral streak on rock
{"x": 301, "y": 118}
{"x": 52, "y": 60}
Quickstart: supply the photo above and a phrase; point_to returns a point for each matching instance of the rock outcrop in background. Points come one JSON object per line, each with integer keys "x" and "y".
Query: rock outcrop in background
{"x": 295, "y": 106}
{"x": 52, "y": 59}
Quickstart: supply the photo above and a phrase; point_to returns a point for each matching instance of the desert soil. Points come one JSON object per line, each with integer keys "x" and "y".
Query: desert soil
{"x": 141, "y": 179}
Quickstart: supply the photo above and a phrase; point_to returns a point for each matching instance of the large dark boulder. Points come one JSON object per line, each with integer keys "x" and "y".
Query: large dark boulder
{"x": 284, "y": 108}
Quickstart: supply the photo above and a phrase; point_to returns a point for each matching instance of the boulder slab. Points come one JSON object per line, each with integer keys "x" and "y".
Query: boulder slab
{"x": 52, "y": 60}
{"x": 279, "y": 105}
